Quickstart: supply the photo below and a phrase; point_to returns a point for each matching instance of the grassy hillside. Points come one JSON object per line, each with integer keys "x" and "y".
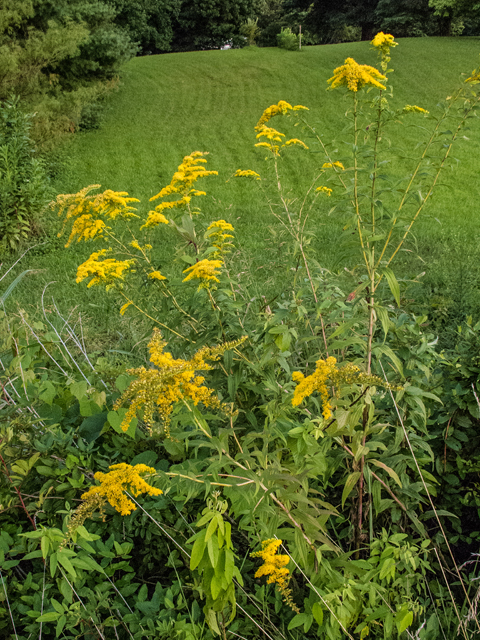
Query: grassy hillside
{"x": 173, "y": 104}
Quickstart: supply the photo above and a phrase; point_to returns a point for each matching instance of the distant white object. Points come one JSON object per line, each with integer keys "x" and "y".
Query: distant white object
{"x": 227, "y": 45}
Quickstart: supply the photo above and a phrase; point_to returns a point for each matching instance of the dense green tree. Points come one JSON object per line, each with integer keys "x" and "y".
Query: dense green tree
{"x": 148, "y": 22}
{"x": 208, "y": 24}
{"x": 57, "y": 55}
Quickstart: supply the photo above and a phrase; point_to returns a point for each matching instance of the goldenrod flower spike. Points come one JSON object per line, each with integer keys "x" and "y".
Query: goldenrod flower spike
{"x": 281, "y": 109}
{"x": 247, "y": 173}
{"x": 169, "y": 381}
{"x": 106, "y": 272}
{"x": 295, "y": 141}
{"x": 220, "y": 239}
{"x": 326, "y": 375}
{"x": 88, "y": 210}
{"x": 121, "y": 478}
{"x": 330, "y": 165}
{"x": 325, "y": 190}
{"x": 354, "y": 76}
{"x": 275, "y": 567}
{"x": 383, "y": 42}
{"x": 414, "y": 109}
{"x": 205, "y": 271}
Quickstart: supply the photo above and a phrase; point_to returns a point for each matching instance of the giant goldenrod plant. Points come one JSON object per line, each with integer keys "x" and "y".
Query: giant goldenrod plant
{"x": 319, "y": 441}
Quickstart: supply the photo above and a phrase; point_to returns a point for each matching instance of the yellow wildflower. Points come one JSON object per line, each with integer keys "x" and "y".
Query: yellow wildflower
{"x": 274, "y": 566}
{"x": 170, "y": 381}
{"x": 355, "y": 76}
{"x": 324, "y": 190}
{"x": 383, "y": 42}
{"x": 295, "y": 141}
{"x": 154, "y": 218}
{"x": 330, "y": 165}
{"x": 186, "y": 175}
{"x": 217, "y": 232}
{"x": 327, "y": 372}
{"x": 414, "y": 109}
{"x": 156, "y": 275}
{"x": 125, "y": 307}
{"x": 135, "y": 245}
{"x": 205, "y": 270}
{"x": 317, "y": 381}
{"x": 475, "y": 77}
{"x": 247, "y": 173}
{"x": 103, "y": 271}
{"x": 270, "y": 134}
{"x": 282, "y": 108}
{"x": 122, "y": 477}
{"x": 88, "y": 210}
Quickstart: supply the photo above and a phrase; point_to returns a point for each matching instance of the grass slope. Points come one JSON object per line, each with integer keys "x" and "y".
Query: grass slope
{"x": 173, "y": 104}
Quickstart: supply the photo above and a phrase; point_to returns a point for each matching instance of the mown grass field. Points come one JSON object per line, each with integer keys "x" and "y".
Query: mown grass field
{"x": 170, "y": 105}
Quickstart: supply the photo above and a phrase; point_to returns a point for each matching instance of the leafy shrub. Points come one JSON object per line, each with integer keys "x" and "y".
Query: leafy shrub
{"x": 291, "y": 463}
{"x": 288, "y": 40}
{"x": 23, "y": 182}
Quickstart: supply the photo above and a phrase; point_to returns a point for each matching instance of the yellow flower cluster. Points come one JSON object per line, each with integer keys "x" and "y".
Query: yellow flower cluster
{"x": 414, "y": 109}
{"x": 317, "y": 381}
{"x": 383, "y": 42}
{"x": 205, "y": 271}
{"x": 87, "y": 211}
{"x": 156, "y": 275}
{"x": 327, "y": 372}
{"x": 106, "y": 272}
{"x": 330, "y": 165}
{"x": 182, "y": 183}
{"x": 217, "y": 231}
{"x": 324, "y": 190}
{"x": 475, "y": 77}
{"x": 274, "y": 565}
{"x": 122, "y": 477}
{"x": 296, "y": 141}
{"x": 247, "y": 173}
{"x": 170, "y": 381}
{"x": 281, "y": 109}
{"x": 355, "y": 76}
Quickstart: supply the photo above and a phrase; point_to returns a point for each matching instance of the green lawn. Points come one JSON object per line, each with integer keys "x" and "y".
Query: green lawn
{"x": 170, "y": 105}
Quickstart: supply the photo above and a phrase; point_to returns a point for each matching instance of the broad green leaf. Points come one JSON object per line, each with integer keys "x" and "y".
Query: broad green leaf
{"x": 404, "y": 622}
{"x": 317, "y": 613}
{"x": 197, "y": 551}
{"x": 389, "y": 470}
{"x": 51, "y": 616}
{"x": 297, "y": 621}
{"x": 349, "y": 484}
{"x": 211, "y": 529}
{"x": 393, "y": 284}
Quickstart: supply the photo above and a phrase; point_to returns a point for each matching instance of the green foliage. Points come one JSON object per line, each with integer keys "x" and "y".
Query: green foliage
{"x": 201, "y": 25}
{"x": 251, "y": 31}
{"x": 57, "y": 57}
{"x": 149, "y": 23}
{"x": 24, "y": 189}
{"x": 355, "y": 492}
{"x": 288, "y": 40}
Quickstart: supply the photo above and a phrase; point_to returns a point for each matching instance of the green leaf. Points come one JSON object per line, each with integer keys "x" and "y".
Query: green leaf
{"x": 60, "y": 624}
{"x": 349, "y": 484}
{"x": 297, "y": 621}
{"x": 404, "y": 622}
{"x": 393, "y": 284}
{"x": 197, "y": 551}
{"x": 51, "y": 616}
{"x": 211, "y": 529}
{"x": 212, "y": 546}
{"x": 389, "y": 470}
{"x": 317, "y": 613}
{"x": 79, "y": 389}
